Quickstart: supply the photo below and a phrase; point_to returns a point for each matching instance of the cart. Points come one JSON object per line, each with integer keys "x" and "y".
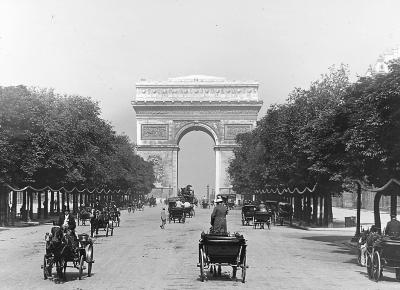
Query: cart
{"x": 176, "y": 214}
{"x": 261, "y": 218}
{"x": 248, "y": 214}
{"x": 222, "y": 250}
{"x": 55, "y": 257}
{"x": 385, "y": 254}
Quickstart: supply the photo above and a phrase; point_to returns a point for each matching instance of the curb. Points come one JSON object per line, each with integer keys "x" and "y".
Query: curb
{"x": 347, "y": 229}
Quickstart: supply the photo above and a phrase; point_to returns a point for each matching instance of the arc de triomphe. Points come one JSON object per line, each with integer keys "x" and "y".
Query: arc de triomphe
{"x": 167, "y": 110}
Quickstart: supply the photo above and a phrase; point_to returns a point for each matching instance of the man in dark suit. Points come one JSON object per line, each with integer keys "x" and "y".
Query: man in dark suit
{"x": 67, "y": 220}
{"x": 393, "y": 227}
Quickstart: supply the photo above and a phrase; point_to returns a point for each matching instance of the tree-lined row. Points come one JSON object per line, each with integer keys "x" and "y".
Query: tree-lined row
{"x": 330, "y": 134}
{"x": 49, "y": 139}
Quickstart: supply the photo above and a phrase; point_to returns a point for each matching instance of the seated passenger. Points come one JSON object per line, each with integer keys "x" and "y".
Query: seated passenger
{"x": 393, "y": 227}
{"x": 186, "y": 204}
{"x": 261, "y": 207}
{"x": 179, "y": 203}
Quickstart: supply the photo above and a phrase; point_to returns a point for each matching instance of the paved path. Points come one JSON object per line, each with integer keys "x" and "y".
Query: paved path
{"x": 142, "y": 256}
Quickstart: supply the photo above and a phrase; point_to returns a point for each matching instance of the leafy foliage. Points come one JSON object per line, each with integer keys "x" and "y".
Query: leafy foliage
{"x": 327, "y": 134}
{"x": 61, "y": 140}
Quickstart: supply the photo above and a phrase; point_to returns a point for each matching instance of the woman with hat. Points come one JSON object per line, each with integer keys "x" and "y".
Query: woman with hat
{"x": 218, "y": 217}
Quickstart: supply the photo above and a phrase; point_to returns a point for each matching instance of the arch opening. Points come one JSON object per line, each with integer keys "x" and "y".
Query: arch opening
{"x": 196, "y": 162}
{"x": 196, "y": 127}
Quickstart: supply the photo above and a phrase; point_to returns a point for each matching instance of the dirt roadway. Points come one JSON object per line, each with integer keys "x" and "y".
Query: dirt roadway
{"x": 142, "y": 256}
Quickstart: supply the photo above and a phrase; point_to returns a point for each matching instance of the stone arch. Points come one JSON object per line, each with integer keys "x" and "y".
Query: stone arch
{"x": 196, "y": 126}
{"x": 168, "y": 110}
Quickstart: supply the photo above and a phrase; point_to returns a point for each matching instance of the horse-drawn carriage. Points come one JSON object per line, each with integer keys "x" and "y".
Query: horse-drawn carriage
{"x": 152, "y": 201}
{"x": 384, "y": 253}
{"x": 189, "y": 211}
{"x": 101, "y": 220}
{"x": 248, "y": 214}
{"x": 175, "y": 213}
{"x": 140, "y": 206}
{"x": 222, "y": 250}
{"x": 381, "y": 249}
{"x": 115, "y": 216}
{"x": 205, "y": 204}
{"x": 285, "y": 212}
{"x": 61, "y": 248}
{"x": 261, "y": 218}
{"x": 84, "y": 215}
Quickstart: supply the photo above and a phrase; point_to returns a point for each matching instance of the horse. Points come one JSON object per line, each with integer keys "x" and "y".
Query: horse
{"x": 59, "y": 250}
{"x": 99, "y": 220}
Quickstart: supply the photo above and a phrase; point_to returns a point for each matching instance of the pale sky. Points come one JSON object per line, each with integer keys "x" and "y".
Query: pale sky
{"x": 101, "y": 49}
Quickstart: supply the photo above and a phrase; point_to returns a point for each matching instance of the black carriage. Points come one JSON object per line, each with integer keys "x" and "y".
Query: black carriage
{"x": 152, "y": 202}
{"x": 140, "y": 206}
{"x": 84, "y": 215}
{"x": 189, "y": 211}
{"x": 60, "y": 250}
{"x": 385, "y": 251}
{"x": 176, "y": 214}
{"x": 101, "y": 220}
{"x": 385, "y": 254}
{"x": 115, "y": 217}
{"x": 222, "y": 250}
{"x": 285, "y": 213}
{"x": 261, "y": 218}
{"x": 205, "y": 204}
{"x": 272, "y": 207}
{"x": 248, "y": 214}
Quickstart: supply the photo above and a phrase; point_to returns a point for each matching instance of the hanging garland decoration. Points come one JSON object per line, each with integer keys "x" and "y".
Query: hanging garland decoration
{"x": 373, "y": 189}
{"x": 287, "y": 190}
{"x": 65, "y": 190}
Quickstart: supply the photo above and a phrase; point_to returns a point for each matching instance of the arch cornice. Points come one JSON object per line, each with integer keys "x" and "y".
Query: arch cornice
{"x": 196, "y": 126}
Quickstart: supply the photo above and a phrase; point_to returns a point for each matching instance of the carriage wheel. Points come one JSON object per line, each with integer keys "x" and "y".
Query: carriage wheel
{"x": 369, "y": 266}
{"x": 81, "y": 260}
{"x": 244, "y": 270}
{"x": 242, "y": 222}
{"x": 201, "y": 265}
{"x": 219, "y": 270}
{"x": 89, "y": 259}
{"x": 46, "y": 268}
{"x": 183, "y": 219}
{"x": 107, "y": 230}
{"x": 64, "y": 271}
{"x": 376, "y": 266}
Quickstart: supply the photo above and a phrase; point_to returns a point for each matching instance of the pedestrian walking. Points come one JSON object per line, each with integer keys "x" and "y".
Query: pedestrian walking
{"x": 163, "y": 218}
{"x": 218, "y": 217}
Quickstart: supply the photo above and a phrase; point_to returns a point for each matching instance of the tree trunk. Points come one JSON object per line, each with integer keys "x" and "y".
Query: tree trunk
{"x": 46, "y": 204}
{"x": 377, "y": 215}
{"x": 326, "y": 212}
{"x": 315, "y": 210}
{"x": 39, "y": 206}
{"x": 321, "y": 202}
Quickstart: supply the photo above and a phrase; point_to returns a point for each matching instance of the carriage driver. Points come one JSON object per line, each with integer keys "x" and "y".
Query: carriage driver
{"x": 67, "y": 221}
{"x": 393, "y": 227}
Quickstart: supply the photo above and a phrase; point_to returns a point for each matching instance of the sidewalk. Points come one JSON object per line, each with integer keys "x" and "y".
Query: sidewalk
{"x": 35, "y": 222}
{"x": 339, "y": 214}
